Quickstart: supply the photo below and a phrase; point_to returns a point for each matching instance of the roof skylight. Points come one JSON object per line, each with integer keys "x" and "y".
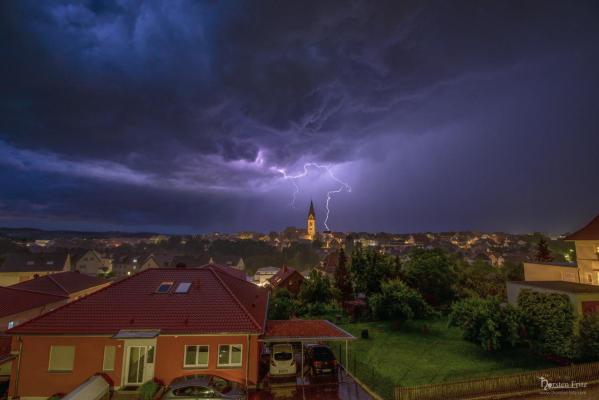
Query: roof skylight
{"x": 164, "y": 287}
{"x": 183, "y": 287}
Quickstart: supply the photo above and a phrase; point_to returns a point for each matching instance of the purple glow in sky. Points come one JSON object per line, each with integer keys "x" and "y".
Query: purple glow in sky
{"x": 180, "y": 116}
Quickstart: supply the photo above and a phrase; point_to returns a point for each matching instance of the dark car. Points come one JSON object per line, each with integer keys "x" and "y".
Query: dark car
{"x": 320, "y": 359}
{"x": 200, "y": 387}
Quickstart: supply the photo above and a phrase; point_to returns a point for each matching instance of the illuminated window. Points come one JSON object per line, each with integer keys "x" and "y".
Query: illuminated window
{"x": 11, "y": 324}
{"x": 62, "y": 358}
{"x": 109, "y": 357}
{"x": 196, "y": 356}
{"x": 229, "y": 355}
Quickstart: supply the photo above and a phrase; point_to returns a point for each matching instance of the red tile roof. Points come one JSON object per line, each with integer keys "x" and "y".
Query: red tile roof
{"x": 304, "y": 329}
{"x": 217, "y": 302}
{"x": 63, "y": 284}
{"x": 14, "y": 301}
{"x": 589, "y": 232}
{"x": 34, "y": 262}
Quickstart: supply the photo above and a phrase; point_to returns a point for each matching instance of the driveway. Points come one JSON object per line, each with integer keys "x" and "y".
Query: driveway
{"x": 343, "y": 387}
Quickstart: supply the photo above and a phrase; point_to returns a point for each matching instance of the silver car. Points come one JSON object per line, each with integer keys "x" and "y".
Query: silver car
{"x": 200, "y": 387}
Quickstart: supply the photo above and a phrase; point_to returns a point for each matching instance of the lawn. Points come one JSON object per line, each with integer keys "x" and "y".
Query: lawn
{"x": 412, "y": 356}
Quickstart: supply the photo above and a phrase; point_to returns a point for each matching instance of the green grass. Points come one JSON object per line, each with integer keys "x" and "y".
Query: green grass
{"x": 410, "y": 357}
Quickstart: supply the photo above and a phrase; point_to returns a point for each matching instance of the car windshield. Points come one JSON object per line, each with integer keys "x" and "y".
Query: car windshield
{"x": 283, "y": 356}
{"x": 323, "y": 353}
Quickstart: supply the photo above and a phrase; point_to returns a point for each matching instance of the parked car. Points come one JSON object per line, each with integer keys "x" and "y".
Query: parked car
{"x": 320, "y": 359}
{"x": 200, "y": 387}
{"x": 282, "y": 361}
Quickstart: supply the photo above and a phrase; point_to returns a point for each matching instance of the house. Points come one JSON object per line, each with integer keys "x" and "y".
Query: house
{"x": 29, "y": 299}
{"x": 287, "y": 278}
{"x": 263, "y": 274}
{"x": 19, "y": 267}
{"x": 126, "y": 265}
{"x": 19, "y": 305}
{"x": 71, "y": 284}
{"x": 157, "y": 261}
{"x": 584, "y": 270}
{"x": 330, "y": 263}
{"x": 584, "y": 298}
{"x": 160, "y": 323}
{"x": 90, "y": 262}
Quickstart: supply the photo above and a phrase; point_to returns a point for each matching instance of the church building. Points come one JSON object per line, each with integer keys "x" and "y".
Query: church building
{"x": 311, "y": 229}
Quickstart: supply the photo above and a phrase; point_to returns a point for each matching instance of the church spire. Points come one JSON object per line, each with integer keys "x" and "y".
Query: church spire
{"x": 311, "y": 231}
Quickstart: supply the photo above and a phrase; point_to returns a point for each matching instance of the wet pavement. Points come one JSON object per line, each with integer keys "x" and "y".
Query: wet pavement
{"x": 338, "y": 387}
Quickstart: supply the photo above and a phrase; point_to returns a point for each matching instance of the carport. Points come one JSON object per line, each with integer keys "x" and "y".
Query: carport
{"x": 304, "y": 331}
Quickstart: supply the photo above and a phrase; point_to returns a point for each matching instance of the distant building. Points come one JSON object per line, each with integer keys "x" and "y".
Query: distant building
{"x": 262, "y": 275}
{"x": 579, "y": 281}
{"x": 90, "y": 262}
{"x": 584, "y": 298}
{"x": 311, "y": 225}
{"x": 19, "y": 267}
{"x": 287, "y": 278}
{"x": 29, "y": 299}
{"x": 584, "y": 270}
{"x": 329, "y": 264}
{"x": 157, "y": 261}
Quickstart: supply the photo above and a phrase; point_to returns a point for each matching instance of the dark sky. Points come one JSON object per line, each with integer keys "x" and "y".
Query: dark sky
{"x": 178, "y": 116}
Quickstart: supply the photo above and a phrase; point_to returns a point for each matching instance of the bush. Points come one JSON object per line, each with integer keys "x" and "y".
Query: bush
{"x": 548, "y": 322}
{"x": 488, "y": 322}
{"x": 398, "y": 302}
{"x": 282, "y": 304}
{"x": 588, "y": 340}
{"x": 148, "y": 390}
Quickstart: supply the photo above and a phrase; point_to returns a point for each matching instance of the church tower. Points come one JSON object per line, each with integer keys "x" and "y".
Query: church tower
{"x": 311, "y": 231}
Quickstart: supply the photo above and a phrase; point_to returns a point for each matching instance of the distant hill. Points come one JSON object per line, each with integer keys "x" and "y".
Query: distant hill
{"x": 35, "y": 234}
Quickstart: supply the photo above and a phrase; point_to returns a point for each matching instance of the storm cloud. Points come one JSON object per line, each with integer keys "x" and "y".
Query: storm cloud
{"x": 179, "y": 115}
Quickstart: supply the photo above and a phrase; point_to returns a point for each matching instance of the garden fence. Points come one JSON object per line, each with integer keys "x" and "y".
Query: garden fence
{"x": 504, "y": 384}
{"x": 367, "y": 374}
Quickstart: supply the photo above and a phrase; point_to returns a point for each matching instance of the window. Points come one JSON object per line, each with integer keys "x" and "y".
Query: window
{"x": 183, "y": 287}
{"x": 196, "y": 356}
{"x": 150, "y": 355}
{"x": 164, "y": 287}
{"x": 62, "y": 358}
{"x": 109, "y": 357}
{"x": 229, "y": 355}
{"x": 11, "y": 324}
{"x": 589, "y": 278}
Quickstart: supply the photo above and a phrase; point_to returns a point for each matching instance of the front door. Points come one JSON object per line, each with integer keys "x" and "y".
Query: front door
{"x": 136, "y": 363}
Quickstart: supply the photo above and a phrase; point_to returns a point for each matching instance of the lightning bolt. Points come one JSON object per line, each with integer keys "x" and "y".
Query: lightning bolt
{"x": 344, "y": 185}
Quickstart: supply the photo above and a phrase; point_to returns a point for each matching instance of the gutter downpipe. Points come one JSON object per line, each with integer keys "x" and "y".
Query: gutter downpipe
{"x": 18, "y": 374}
{"x": 247, "y": 363}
